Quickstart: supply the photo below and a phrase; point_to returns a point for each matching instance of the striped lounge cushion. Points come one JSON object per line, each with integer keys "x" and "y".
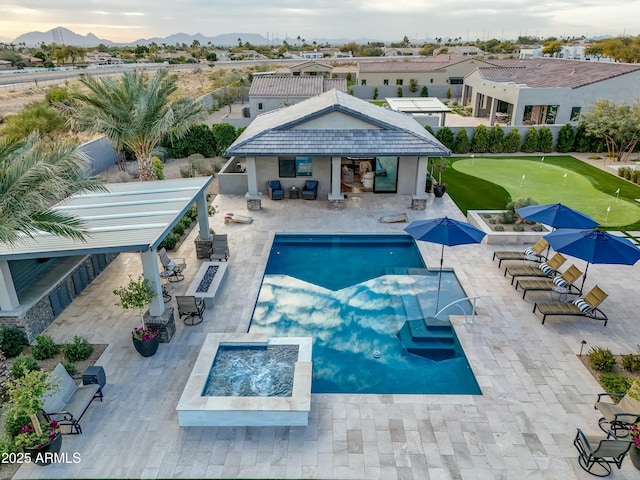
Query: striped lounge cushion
{"x": 582, "y": 305}
{"x": 558, "y": 281}
{"x": 546, "y": 269}
{"x": 529, "y": 251}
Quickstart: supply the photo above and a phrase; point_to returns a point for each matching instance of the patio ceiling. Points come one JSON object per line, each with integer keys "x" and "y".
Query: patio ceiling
{"x": 133, "y": 216}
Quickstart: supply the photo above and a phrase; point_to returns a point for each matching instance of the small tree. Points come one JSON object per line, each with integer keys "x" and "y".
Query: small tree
{"x": 545, "y": 140}
{"x": 480, "y": 142}
{"x": 136, "y": 294}
{"x": 424, "y": 92}
{"x": 440, "y": 165}
{"x": 512, "y": 141}
{"x": 375, "y": 93}
{"x": 446, "y": 137}
{"x": 413, "y": 85}
{"x": 496, "y": 139}
{"x": 619, "y": 125}
{"x": 530, "y": 143}
{"x": 224, "y": 135}
{"x": 462, "y": 141}
{"x": 566, "y": 139}
{"x": 399, "y": 91}
{"x": 449, "y": 93}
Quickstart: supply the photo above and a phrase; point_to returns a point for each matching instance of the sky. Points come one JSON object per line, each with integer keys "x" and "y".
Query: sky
{"x": 385, "y": 20}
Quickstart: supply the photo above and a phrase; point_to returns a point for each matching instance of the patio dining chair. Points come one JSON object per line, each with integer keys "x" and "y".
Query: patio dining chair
{"x": 190, "y": 307}
{"x": 220, "y": 248}
{"x": 597, "y": 454}
{"x": 617, "y": 417}
{"x": 173, "y": 268}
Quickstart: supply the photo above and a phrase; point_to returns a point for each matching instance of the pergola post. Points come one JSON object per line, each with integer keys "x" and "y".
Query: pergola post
{"x": 152, "y": 274}
{"x": 8, "y": 295}
{"x": 253, "y": 196}
{"x": 419, "y": 197}
{"x": 336, "y": 198}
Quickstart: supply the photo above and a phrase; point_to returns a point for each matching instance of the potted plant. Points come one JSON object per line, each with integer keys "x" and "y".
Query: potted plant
{"x": 634, "y": 431}
{"x": 138, "y": 294}
{"x": 31, "y": 431}
{"x": 428, "y": 187}
{"x": 440, "y": 165}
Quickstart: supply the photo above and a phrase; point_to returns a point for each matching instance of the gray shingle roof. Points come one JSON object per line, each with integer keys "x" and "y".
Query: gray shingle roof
{"x": 550, "y": 72}
{"x": 288, "y": 86}
{"x": 283, "y": 131}
{"x": 423, "y": 65}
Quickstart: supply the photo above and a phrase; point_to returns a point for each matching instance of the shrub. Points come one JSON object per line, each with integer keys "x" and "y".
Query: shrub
{"x": 493, "y": 221}
{"x": 537, "y": 228}
{"x": 78, "y": 350}
{"x": 496, "y": 139}
{"x": 499, "y": 228}
{"x": 224, "y": 135}
{"x": 187, "y": 171}
{"x": 446, "y": 137}
{"x": 520, "y": 202}
{"x": 23, "y": 364}
{"x": 631, "y": 362}
{"x": 518, "y": 228}
{"x": 375, "y": 93}
{"x": 12, "y": 341}
{"x": 449, "y": 93}
{"x": 15, "y": 419}
{"x": 399, "y": 91}
{"x": 530, "y": 143}
{"x": 158, "y": 167}
{"x": 634, "y": 176}
{"x": 429, "y": 129}
{"x": 621, "y": 171}
{"x": 614, "y": 383}
{"x": 601, "y": 359}
{"x": 198, "y": 139}
{"x": 481, "y": 140}
{"x": 70, "y": 367}
{"x": 462, "y": 144}
{"x": 186, "y": 222}
{"x": 585, "y": 142}
{"x": 192, "y": 213}
{"x": 178, "y": 228}
{"x": 35, "y": 116}
{"x": 170, "y": 241}
{"x": 511, "y": 142}
{"x": 163, "y": 153}
{"x": 566, "y": 139}
{"x": 486, "y": 215}
{"x": 545, "y": 140}
{"x": 424, "y": 92}
{"x": 627, "y": 174}
{"x": 44, "y": 347}
{"x": 507, "y": 217}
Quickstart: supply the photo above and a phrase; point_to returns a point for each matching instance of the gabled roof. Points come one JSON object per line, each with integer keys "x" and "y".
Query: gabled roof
{"x": 298, "y": 130}
{"x": 288, "y": 86}
{"x": 132, "y": 216}
{"x": 425, "y": 65}
{"x": 557, "y": 73}
{"x": 310, "y": 63}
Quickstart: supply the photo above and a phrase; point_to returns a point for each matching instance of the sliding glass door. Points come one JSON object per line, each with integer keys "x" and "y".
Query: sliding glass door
{"x": 386, "y": 175}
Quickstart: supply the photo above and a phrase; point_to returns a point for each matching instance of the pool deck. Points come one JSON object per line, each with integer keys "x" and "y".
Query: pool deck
{"x": 535, "y": 389}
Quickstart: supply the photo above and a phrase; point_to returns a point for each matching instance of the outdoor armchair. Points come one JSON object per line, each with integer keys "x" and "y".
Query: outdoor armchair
{"x": 276, "y": 192}
{"x": 617, "y": 417}
{"x": 310, "y": 190}
{"x": 190, "y": 307}
{"x": 597, "y": 454}
{"x": 220, "y": 248}
{"x": 172, "y": 268}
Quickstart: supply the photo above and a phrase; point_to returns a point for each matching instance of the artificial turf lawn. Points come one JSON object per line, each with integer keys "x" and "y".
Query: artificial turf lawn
{"x": 489, "y": 183}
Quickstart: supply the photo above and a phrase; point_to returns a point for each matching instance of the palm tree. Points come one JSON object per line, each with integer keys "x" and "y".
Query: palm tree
{"x": 135, "y": 112}
{"x": 33, "y": 177}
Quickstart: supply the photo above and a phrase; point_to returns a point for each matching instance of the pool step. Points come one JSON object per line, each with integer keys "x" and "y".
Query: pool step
{"x": 429, "y": 338}
{"x": 406, "y": 271}
{"x": 412, "y": 308}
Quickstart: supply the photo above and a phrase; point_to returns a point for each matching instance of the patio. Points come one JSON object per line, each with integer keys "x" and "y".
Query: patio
{"x": 535, "y": 390}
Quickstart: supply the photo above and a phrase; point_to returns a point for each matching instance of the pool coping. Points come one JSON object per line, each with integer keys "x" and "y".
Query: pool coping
{"x": 195, "y": 409}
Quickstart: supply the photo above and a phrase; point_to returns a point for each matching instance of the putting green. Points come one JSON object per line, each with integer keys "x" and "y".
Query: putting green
{"x": 547, "y": 183}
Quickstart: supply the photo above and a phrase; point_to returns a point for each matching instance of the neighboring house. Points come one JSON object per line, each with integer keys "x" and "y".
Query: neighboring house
{"x": 438, "y": 74}
{"x": 311, "y": 68}
{"x": 311, "y": 54}
{"x": 276, "y": 91}
{"x": 30, "y": 61}
{"x": 100, "y": 58}
{"x": 340, "y": 141}
{"x": 6, "y": 65}
{"x": 247, "y": 55}
{"x": 530, "y": 52}
{"x": 425, "y": 110}
{"x": 547, "y": 90}
{"x": 464, "y": 50}
{"x": 401, "y": 52}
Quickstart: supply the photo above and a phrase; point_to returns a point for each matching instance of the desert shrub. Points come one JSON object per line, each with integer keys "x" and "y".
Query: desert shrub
{"x": 481, "y": 140}
{"x": 375, "y": 93}
{"x": 199, "y": 139}
{"x": 170, "y": 241}
{"x": 627, "y": 174}
{"x": 621, "y": 171}
{"x": 520, "y": 202}
{"x": 566, "y": 139}
{"x": 57, "y": 94}
{"x": 545, "y": 140}
{"x": 518, "y": 228}
{"x": 12, "y": 341}
{"x": 192, "y": 213}
{"x": 178, "y": 228}
{"x": 507, "y": 217}
{"x": 512, "y": 141}
{"x": 399, "y": 91}
{"x": 537, "y": 228}
{"x": 601, "y": 359}
{"x": 446, "y": 137}
{"x": 23, "y": 364}
{"x": 158, "y": 167}
{"x": 496, "y": 139}
{"x": 204, "y": 167}
{"x": 486, "y": 215}
{"x": 78, "y": 350}
{"x": 462, "y": 144}
{"x": 187, "y": 171}
{"x": 493, "y": 221}
{"x": 634, "y": 176}
{"x": 70, "y": 367}
{"x": 499, "y": 228}
{"x": 163, "y": 153}
{"x": 530, "y": 143}
{"x": 35, "y": 116}
{"x": 44, "y": 347}
{"x": 631, "y": 362}
{"x": 186, "y": 222}
{"x": 614, "y": 383}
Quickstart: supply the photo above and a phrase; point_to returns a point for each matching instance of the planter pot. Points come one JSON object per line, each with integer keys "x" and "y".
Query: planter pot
{"x": 147, "y": 348}
{"x": 438, "y": 190}
{"x": 634, "y": 455}
{"x": 44, "y": 456}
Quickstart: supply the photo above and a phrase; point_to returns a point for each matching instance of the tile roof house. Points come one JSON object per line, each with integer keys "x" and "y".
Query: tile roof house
{"x": 333, "y": 138}
{"x": 270, "y": 92}
{"x": 547, "y": 90}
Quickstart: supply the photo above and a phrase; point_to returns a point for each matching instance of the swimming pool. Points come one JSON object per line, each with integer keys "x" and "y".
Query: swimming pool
{"x": 353, "y": 294}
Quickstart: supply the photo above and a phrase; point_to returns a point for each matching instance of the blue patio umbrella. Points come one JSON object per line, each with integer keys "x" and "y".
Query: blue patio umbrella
{"x": 594, "y": 246}
{"x": 557, "y": 215}
{"x": 444, "y": 231}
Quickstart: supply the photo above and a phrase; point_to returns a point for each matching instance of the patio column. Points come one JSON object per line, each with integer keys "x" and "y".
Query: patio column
{"x": 419, "y": 198}
{"x": 492, "y": 111}
{"x": 253, "y": 196}
{"x": 336, "y": 198}
{"x": 203, "y": 216}
{"x": 8, "y": 295}
{"x": 150, "y": 271}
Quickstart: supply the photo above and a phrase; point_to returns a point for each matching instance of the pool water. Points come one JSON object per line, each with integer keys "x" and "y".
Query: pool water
{"x": 353, "y": 294}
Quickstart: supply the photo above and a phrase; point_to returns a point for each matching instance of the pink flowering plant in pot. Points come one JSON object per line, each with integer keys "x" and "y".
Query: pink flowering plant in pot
{"x": 138, "y": 294}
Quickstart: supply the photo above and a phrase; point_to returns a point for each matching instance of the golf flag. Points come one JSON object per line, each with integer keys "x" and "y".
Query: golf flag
{"x": 565, "y": 175}
{"x": 618, "y": 192}
{"x": 608, "y": 208}
{"x": 523, "y": 176}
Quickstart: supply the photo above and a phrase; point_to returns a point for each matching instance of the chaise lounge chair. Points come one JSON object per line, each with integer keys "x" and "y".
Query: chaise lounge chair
{"x": 586, "y": 306}
{"x": 618, "y": 417}
{"x": 561, "y": 283}
{"x": 597, "y": 454}
{"x": 544, "y": 269}
{"x": 530, "y": 253}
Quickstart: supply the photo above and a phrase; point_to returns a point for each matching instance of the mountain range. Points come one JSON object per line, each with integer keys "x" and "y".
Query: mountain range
{"x": 64, "y": 36}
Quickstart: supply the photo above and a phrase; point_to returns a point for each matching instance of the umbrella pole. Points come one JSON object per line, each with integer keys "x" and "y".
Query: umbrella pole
{"x": 584, "y": 277}
{"x": 439, "y": 278}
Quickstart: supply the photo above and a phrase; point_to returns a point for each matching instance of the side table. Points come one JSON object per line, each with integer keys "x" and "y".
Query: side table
{"x": 293, "y": 192}
{"x": 94, "y": 374}
{"x": 560, "y": 292}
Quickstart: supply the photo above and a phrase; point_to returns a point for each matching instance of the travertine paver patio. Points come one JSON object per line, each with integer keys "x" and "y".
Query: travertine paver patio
{"x": 535, "y": 390}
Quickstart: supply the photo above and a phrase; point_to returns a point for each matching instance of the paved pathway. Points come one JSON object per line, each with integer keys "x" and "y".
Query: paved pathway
{"x": 535, "y": 389}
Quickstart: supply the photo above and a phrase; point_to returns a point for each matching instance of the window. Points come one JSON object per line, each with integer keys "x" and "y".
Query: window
{"x": 385, "y": 82}
{"x": 432, "y": 80}
{"x": 296, "y": 74}
{"x": 456, "y": 80}
{"x": 575, "y": 114}
{"x": 259, "y": 106}
{"x": 294, "y": 167}
{"x": 399, "y": 81}
{"x": 363, "y": 82}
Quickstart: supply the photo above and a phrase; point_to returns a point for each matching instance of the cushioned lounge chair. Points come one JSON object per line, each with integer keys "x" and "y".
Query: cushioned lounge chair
{"x": 563, "y": 283}
{"x": 586, "y": 306}
{"x": 597, "y": 454}
{"x": 544, "y": 269}
{"x": 534, "y": 252}
{"x": 310, "y": 190}
{"x": 276, "y": 192}
{"x": 617, "y": 417}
